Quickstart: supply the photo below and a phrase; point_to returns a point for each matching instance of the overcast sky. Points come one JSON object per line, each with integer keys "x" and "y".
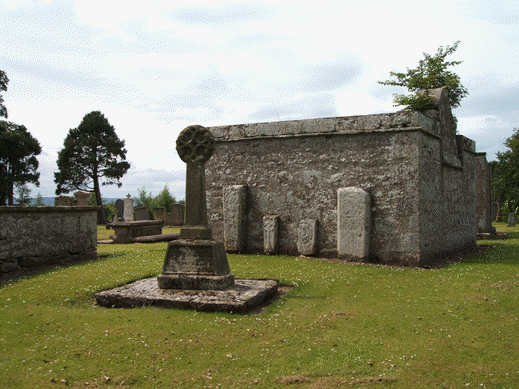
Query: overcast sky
{"x": 154, "y": 67}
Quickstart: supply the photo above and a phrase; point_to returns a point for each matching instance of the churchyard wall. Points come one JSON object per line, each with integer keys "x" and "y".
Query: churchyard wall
{"x": 32, "y": 237}
{"x": 420, "y": 177}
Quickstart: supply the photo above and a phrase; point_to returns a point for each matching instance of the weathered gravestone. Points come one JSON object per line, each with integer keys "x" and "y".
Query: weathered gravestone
{"x": 128, "y": 208}
{"x": 119, "y": 211}
{"x": 82, "y": 197}
{"x": 142, "y": 213}
{"x": 512, "y": 218}
{"x": 195, "y": 261}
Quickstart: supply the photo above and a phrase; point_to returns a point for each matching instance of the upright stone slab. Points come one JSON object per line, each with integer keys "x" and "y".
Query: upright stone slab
{"x": 234, "y": 215}
{"x": 353, "y": 223}
{"x": 512, "y": 218}
{"x": 195, "y": 261}
{"x": 159, "y": 214}
{"x": 65, "y": 201}
{"x": 307, "y": 237}
{"x": 119, "y": 211}
{"x": 142, "y": 213}
{"x": 177, "y": 215}
{"x": 270, "y": 234}
{"x": 82, "y": 197}
{"x": 128, "y": 208}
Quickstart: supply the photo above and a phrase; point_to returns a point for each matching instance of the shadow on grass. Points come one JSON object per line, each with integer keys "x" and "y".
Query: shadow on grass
{"x": 24, "y": 273}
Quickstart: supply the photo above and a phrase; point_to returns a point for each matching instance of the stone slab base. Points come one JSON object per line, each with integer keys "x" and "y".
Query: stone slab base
{"x": 242, "y": 297}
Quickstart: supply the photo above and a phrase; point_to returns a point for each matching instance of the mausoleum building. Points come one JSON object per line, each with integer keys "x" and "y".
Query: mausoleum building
{"x": 394, "y": 188}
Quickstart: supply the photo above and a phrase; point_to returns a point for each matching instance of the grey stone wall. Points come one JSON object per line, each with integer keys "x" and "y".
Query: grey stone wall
{"x": 38, "y": 236}
{"x": 419, "y": 176}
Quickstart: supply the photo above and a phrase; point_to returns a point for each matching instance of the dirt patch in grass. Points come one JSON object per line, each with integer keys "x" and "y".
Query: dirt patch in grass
{"x": 294, "y": 379}
{"x": 342, "y": 382}
{"x": 333, "y": 382}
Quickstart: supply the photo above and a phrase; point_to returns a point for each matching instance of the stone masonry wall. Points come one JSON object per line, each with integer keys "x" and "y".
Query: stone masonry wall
{"x": 419, "y": 175}
{"x": 38, "y": 236}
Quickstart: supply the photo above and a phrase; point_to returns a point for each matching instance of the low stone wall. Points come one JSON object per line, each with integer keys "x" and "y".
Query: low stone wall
{"x": 32, "y": 237}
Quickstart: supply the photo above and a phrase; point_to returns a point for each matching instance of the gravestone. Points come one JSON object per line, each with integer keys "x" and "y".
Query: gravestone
{"x": 307, "y": 237}
{"x": 512, "y": 218}
{"x": 176, "y": 216}
{"x": 195, "y": 261}
{"x": 82, "y": 197}
{"x": 119, "y": 211}
{"x": 65, "y": 201}
{"x": 159, "y": 213}
{"x": 234, "y": 216}
{"x": 142, "y": 213}
{"x": 128, "y": 208}
{"x": 270, "y": 234}
{"x": 353, "y": 223}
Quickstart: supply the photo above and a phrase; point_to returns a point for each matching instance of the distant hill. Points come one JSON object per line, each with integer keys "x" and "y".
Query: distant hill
{"x": 50, "y": 200}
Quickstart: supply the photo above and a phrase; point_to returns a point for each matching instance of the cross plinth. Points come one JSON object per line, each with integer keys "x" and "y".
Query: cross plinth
{"x": 195, "y": 261}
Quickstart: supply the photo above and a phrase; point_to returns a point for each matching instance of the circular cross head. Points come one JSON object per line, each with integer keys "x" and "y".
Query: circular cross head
{"x": 195, "y": 144}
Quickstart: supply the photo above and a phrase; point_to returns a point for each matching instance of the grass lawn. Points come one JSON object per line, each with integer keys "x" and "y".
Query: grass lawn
{"x": 341, "y": 326}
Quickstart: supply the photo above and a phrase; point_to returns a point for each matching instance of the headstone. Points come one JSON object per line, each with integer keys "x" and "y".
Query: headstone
{"x": 64, "y": 201}
{"x": 270, "y": 234}
{"x": 159, "y": 214}
{"x": 195, "y": 261}
{"x": 177, "y": 215}
{"x": 82, "y": 197}
{"x": 128, "y": 208}
{"x": 353, "y": 223}
{"x": 512, "y": 217}
{"x": 234, "y": 216}
{"x": 307, "y": 237}
{"x": 119, "y": 211}
{"x": 142, "y": 213}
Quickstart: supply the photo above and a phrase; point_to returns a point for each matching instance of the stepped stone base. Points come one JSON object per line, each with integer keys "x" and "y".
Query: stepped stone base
{"x": 243, "y": 296}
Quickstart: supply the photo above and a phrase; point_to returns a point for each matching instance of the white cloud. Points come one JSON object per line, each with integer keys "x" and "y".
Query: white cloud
{"x": 155, "y": 67}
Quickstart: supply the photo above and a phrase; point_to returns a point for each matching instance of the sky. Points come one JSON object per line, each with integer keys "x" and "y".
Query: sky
{"x": 155, "y": 67}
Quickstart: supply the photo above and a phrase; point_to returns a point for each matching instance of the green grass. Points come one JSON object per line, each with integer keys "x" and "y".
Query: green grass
{"x": 341, "y": 326}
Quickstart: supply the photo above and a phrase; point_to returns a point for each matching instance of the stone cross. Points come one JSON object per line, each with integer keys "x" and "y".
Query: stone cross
{"x": 195, "y": 261}
{"x": 195, "y": 145}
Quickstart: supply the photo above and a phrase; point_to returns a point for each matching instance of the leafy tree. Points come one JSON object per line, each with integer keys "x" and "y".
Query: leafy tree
{"x": 505, "y": 175}
{"x": 165, "y": 199}
{"x": 23, "y": 194}
{"x": 38, "y": 201}
{"x": 18, "y": 163}
{"x": 92, "y": 154}
{"x": 3, "y": 87}
{"x": 431, "y": 73}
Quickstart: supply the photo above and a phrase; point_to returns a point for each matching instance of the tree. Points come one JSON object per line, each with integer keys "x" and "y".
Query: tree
{"x": 92, "y": 154}
{"x": 505, "y": 175}
{"x": 18, "y": 163}
{"x": 431, "y": 73}
{"x": 3, "y": 87}
{"x": 165, "y": 199}
{"x": 38, "y": 201}
{"x": 23, "y": 194}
